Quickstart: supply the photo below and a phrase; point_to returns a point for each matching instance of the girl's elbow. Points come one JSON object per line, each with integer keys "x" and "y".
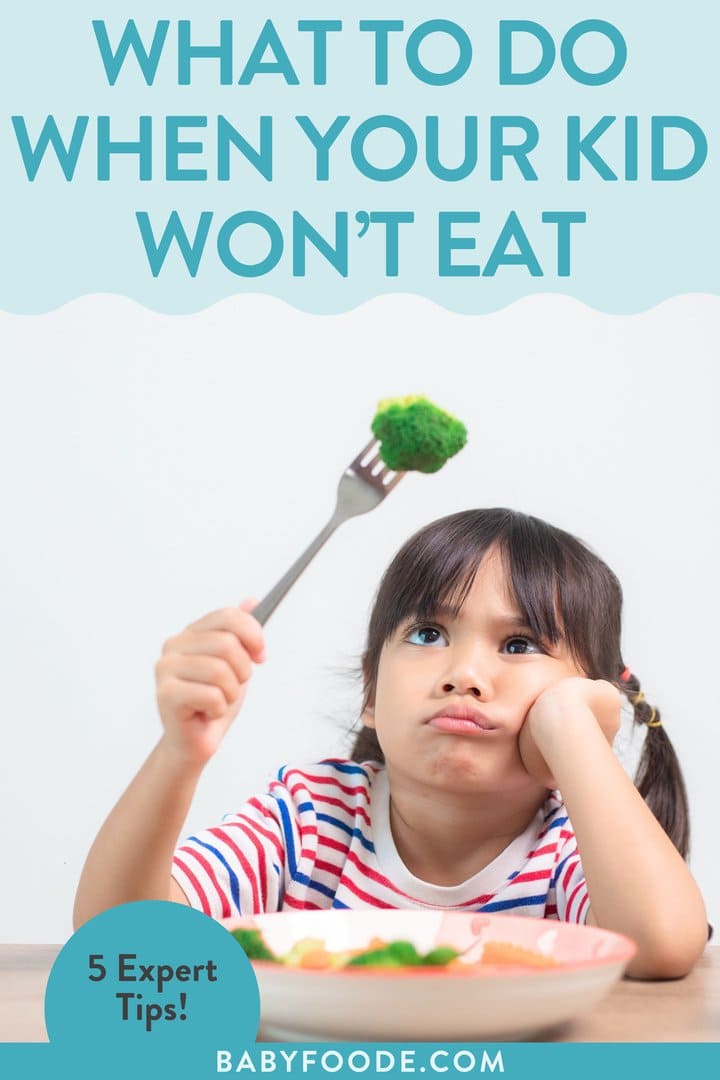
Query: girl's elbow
{"x": 671, "y": 955}
{"x": 78, "y": 917}
{"x": 81, "y": 914}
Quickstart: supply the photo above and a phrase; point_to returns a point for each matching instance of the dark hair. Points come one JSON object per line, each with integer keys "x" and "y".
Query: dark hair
{"x": 561, "y": 588}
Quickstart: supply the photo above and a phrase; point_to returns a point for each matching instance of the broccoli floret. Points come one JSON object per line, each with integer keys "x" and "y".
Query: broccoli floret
{"x": 399, "y": 954}
{"x": 396, "y": 954}
{"x": 251, "y": 941}
{"x": 415, "y": 434}
{"x": 440, "y": 956}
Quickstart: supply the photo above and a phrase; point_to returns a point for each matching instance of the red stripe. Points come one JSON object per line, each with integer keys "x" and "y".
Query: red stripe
{"x": 571, "y": 868}
{"x": 329, "y": 868}
{"x": 225, "y": 913}
{"x": 262, "y": 809}
{"x": 573, "y": 894}
{"x": 370, "y": 874}
{"x": 261, "y": 830}
{"x": 352, "y": 811}
{"x": 258, "y": 805}
{"x": 561, "y": 834}
{"x": 330, "y": 841}
{"x": 362, "y": 895}
{"x": 548, "y": 849}
{"x": 250, "y": 875}
{"x": 531, "y": 875}
{"x": 307, "y": 778}
{"x": 586, "y": 899}
{"x": 258, "y": 904}
{"x": 484, "y": 898}
{"x": 195, "y": 884}
{"x": 301, "y": 905}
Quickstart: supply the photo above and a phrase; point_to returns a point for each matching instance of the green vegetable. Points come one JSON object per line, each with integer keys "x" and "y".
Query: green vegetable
{"x": 396, "y": 954}
{"x": 404, "y": 954}
{"x": 251, "y": 941}
{"x": 415, "y": 434}
{"x": 440, "y": 957}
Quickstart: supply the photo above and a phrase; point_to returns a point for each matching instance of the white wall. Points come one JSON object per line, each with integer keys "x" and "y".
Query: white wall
{"x": 154, "y": 468}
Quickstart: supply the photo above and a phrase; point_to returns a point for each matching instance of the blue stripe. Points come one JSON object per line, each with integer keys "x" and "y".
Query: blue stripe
{"x": 339, "y": 904}
{"x": 557, "y": 823}
{"x": 559, "y": 869}
{"x": 335, "y": 821}
{"x": 232, "y": 876}
{"x": 287, "y": 835}
{"x": 303, "y": 879}
{"x": 522, "y": 901}
{"x": 367, "y": 844}
{"x": 350, "y": 767}
{"x": 301, "y": 807}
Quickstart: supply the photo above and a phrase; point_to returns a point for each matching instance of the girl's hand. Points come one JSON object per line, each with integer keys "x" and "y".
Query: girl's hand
{"x": 202, "y": 677}
{"x": 570, "y": 701}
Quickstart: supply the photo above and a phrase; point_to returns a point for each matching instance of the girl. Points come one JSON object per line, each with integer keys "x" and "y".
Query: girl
{"x": 482, "y": 778}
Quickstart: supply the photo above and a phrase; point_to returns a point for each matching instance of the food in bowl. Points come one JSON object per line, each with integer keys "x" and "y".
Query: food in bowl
{"x": 312, "y": 954}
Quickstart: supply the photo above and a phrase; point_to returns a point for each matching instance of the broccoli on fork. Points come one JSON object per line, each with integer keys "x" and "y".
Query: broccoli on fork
{"x": 415, "y": 434}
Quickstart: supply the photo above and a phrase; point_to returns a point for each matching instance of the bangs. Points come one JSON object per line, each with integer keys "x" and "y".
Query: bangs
{"x": 537, "y": 572}
{"x": 439, "y": 567}
{"x": 437, "y": 575}
{"x": 560, "y": 588}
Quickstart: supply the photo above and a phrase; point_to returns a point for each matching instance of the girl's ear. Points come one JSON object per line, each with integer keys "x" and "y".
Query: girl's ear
{"x": 368, "y": 717}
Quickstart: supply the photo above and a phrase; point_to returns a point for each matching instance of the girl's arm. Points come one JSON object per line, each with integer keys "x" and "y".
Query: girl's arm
{"x": 131, "y": 857}
{"x": 201, "y": 682}
{"x": 638, "y": 883}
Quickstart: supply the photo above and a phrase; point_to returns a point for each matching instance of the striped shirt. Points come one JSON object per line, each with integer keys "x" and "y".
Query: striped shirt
{"x": 320, "y": 838}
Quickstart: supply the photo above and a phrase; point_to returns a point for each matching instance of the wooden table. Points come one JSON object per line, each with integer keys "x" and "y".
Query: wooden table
{"x": 685, "y": 1010}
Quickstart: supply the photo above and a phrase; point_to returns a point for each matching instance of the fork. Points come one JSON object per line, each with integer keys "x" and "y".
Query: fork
{"x": 363, "y": 485}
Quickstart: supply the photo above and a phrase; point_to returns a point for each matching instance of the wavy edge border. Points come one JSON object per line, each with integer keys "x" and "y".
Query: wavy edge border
{"x": 248, "y": 296}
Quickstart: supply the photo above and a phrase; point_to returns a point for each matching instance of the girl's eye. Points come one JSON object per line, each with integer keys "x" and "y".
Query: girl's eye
{"x": 426, "y": 635}
{"x": 519, "y": 646}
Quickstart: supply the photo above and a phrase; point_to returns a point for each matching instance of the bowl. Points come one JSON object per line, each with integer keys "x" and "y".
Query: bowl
{"x": 570, "y": 968}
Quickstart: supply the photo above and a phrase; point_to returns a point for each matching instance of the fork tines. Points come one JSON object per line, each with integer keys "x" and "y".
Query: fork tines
{"x": 370, "y": 466}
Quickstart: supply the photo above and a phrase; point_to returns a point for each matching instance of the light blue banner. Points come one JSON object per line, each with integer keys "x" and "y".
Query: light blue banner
{"x": 516, "y": 1061}
{"x": 327, "y": 153}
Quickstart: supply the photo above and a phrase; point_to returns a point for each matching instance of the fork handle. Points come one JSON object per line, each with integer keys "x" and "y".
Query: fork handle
{"x": 267, "y": 605}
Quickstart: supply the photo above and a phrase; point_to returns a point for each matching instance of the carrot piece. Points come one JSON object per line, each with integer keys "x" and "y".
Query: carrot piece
{"x": 316, "y": 960}
{"x": 501, "y": 952}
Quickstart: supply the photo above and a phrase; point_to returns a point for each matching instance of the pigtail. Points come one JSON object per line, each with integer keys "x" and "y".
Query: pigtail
{"x": 659, "y": 778}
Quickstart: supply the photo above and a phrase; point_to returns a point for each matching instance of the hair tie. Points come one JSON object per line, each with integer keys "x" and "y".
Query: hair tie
{"x": 625, "y": 675}
{"x": 638, "y": 698}
{"x": 652, "y": 722}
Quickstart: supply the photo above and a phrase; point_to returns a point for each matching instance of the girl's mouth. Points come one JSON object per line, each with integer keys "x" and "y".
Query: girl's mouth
{"x": 461, "y": 720}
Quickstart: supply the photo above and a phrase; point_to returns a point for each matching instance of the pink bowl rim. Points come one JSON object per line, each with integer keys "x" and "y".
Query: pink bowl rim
{"x": 624, "y": 950}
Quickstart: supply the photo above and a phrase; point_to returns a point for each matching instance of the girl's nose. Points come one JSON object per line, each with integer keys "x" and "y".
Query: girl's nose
{"x": 476, "y": 691}
{"x": 467, "y": 676}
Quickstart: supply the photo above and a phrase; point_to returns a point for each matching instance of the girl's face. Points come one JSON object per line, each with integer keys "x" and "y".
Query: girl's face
{"x": 453, "y": 692}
